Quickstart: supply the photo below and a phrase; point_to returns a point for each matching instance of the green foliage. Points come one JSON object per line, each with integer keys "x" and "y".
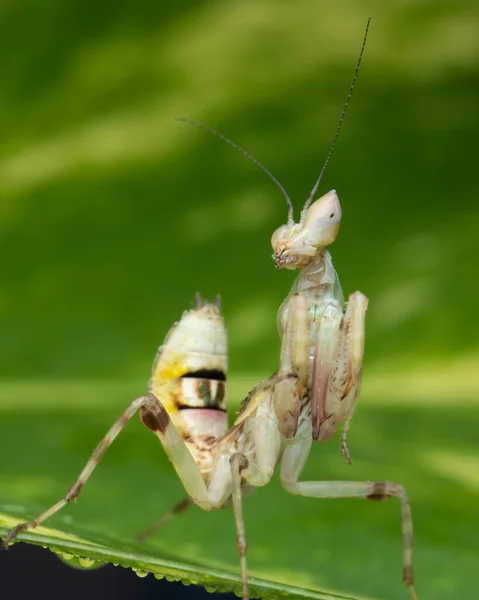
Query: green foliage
{"x": 298, "y": 545}
{"x": 112, "y": 215}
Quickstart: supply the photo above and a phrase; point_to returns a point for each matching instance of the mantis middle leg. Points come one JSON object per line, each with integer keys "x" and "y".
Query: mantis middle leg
{"x": 293, "y": 461}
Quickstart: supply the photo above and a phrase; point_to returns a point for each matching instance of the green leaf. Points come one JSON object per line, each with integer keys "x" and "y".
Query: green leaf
{"x": 300, "y": 547}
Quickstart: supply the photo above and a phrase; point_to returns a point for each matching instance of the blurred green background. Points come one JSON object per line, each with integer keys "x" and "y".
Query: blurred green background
{"x": 112, "y": 216}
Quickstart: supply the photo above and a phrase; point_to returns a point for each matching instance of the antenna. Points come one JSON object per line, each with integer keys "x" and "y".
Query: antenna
{"x": 340, "y": 124}
{"x": 248, "y": 156}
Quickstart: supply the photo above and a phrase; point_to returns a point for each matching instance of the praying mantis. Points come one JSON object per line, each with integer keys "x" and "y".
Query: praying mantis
{"x": 315, "y": 388}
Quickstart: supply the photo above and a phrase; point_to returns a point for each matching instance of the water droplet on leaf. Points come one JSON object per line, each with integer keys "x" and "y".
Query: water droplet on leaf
{"x": 86, "y": 562}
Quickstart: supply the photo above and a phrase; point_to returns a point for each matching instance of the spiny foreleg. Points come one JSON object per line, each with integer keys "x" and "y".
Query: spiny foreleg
{"x": 294, "y": 360}
{"x": 337, "y": 369}
{"x": 325, "y": 355}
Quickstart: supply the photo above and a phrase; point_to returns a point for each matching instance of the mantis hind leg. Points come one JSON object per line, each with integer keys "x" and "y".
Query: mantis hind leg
{"x": 156, "y": 418}
{"x": 88, "y": 469}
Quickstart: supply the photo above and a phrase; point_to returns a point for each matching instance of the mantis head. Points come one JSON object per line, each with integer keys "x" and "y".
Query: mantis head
{"x": 296, "y": 244}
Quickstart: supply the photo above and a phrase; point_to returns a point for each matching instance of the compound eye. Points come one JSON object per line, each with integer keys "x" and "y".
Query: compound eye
{"x": 325, "y": 212}
{"x": 321, "y": 223}
{"x": 278, "y": 236}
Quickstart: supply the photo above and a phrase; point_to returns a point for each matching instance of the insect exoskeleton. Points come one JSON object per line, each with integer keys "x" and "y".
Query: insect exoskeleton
{"x": 317, "y": 332}
{"x": 189, "y": 375}
{"x": 296, "y": 244}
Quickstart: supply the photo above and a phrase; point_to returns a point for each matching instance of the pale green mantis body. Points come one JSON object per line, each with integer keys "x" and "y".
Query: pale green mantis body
{"x": 315, "y": 388}
{"x": 318, "y": 382}
{"x": 323, "y": 345}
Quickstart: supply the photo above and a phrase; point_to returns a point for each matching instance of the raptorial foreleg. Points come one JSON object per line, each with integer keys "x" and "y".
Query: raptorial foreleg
{"x": 337, "y": 369}
{"x": 325, "y": 356}
{"x": 294, "y": 360}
